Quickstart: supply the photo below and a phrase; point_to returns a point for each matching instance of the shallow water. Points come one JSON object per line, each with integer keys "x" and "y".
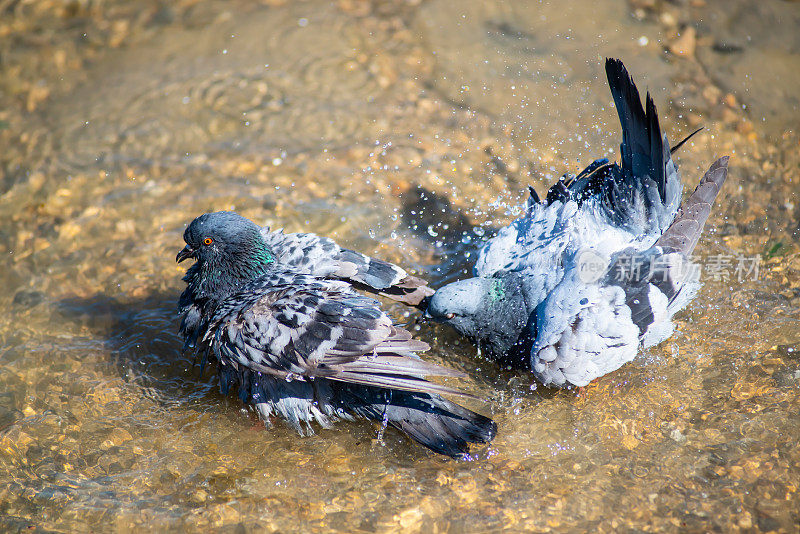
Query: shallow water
{"x": 406, "y": 130}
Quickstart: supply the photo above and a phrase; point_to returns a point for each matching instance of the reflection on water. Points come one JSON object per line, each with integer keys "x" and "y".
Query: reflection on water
{"x": 409, "y": 130}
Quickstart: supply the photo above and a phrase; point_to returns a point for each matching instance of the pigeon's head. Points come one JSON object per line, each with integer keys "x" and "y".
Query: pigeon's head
{"x": 225, "y": 239}
{"x": 490, "y": 311}
{"x": 460, "y": 304}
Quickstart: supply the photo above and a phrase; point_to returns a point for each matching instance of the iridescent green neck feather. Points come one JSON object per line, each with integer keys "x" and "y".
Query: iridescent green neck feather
{"x": 230, "y": 267}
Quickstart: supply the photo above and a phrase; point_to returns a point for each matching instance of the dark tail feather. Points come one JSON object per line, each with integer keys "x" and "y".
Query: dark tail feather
{"x": 643, "y": 151}
{"x": 684, "y": 232}
{"x": 534, "y": 195}
{"x": 436, "y": 423}
{"x": 682, "y": 141}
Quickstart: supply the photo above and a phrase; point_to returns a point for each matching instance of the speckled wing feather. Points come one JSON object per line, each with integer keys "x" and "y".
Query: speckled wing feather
{"x": 665, "y": 274}
{"x": 322, "y": 257}
{"x": 295, "y": 326}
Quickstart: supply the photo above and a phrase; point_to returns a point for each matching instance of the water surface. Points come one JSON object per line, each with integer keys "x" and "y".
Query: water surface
{"x": 406, "y": 130}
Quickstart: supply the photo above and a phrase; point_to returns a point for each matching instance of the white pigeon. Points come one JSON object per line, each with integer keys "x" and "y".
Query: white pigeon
{"x": 576, "y": 285}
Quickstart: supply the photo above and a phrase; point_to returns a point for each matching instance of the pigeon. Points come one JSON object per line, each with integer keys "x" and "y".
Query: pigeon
{"x": 288, "y": 329}
{"x": 597, "y": 269}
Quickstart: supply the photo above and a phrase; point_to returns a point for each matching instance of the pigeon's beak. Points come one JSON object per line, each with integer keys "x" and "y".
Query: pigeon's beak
{"x": 186, "y": 252}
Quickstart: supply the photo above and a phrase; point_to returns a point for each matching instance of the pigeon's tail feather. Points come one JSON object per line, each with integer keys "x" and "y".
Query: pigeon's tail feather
{"x": 645, "y": 187}
{"x": 682, "y": 141}
{"x": 436, "y": 423}
{"x": 383, "y": 277}
{"x": 394, "y": 366}
{"x": 644, "y": 150}
{"x": 684, "y": 232}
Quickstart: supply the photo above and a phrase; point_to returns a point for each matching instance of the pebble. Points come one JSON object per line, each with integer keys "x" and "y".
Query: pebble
{"x": 668, "y": 19}
{"x": 27, "y": 298}
{"x": 410, "y": 519}
{"x": 677, "y": 436}
{"x": 116, "y": 437}
{"x": 630, "y": 442}
{"x": 198, "y": 496}
{"x": 685, "y": 44}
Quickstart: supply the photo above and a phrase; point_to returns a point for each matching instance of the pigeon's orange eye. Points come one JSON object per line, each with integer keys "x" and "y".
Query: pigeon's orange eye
{"x": 207, "y": 241}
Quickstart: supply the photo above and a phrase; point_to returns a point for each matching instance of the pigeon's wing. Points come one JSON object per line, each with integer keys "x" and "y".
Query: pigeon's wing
{"x": 535, "y": 246}
{"x": 530, "y": 243}
{"x": 303, "y": 328}
{"x": 322, "y": 257}
{"x": 656, "y": 283}
{"x": 668, "y": 279}
{"x": 306, "y": 253}
{"x": 684, "y": 232}
{"x": 588, "y": 329}
{"x": 583, "y": 331}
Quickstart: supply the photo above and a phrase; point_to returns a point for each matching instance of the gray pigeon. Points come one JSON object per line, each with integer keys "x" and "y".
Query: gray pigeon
{"x": 574, "y": 287}
{"x": 310, "y": 349}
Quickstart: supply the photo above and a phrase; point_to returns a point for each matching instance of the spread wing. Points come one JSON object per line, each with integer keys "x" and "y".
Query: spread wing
{"x": 298, "y": 327}
{"x": 322, "y": 257}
